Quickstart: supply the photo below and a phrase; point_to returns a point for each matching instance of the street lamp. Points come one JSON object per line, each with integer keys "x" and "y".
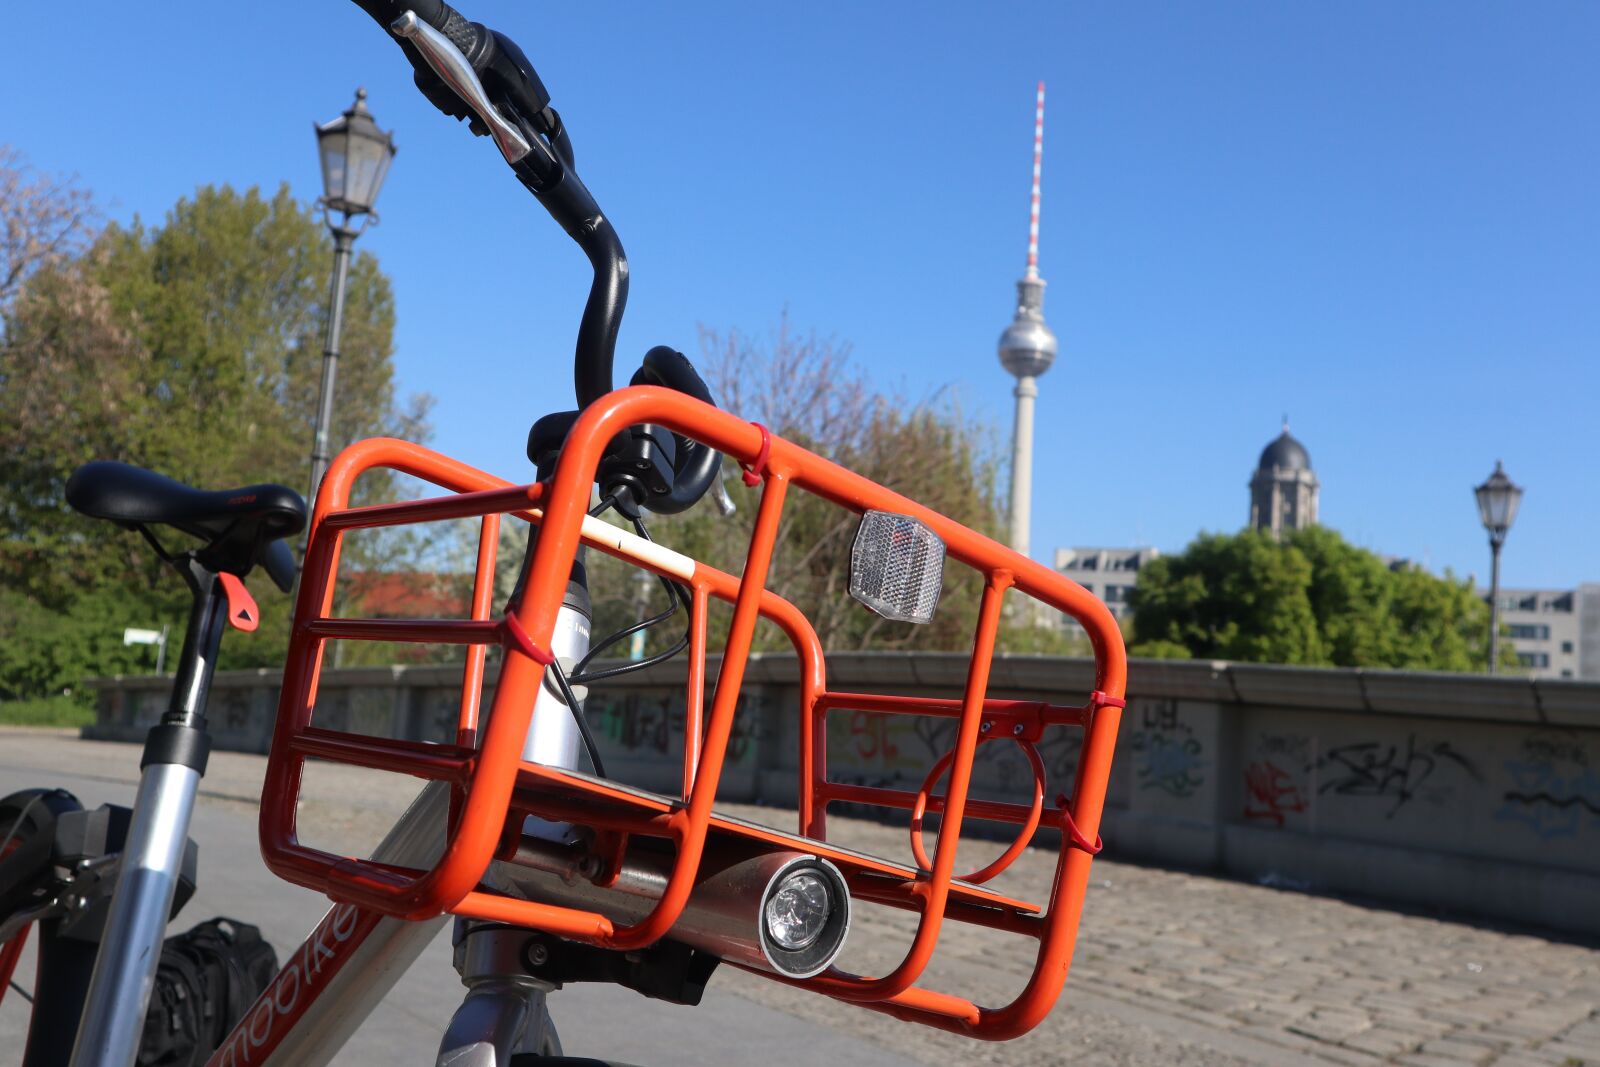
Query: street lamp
{"x": 355, "y": 159}
{"x": 1497, "y": 506}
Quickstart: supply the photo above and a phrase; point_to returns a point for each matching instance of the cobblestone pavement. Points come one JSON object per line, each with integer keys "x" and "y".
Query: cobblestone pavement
{"x": 1170, "y": 967}
{"x": 1218, "y": 971}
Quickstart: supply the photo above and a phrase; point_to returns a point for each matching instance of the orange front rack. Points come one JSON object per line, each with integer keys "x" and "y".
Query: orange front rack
{"x": 495, "y": 788}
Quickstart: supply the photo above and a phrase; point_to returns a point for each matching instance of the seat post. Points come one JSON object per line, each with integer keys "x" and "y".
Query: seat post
{"x": 174, "y": 760}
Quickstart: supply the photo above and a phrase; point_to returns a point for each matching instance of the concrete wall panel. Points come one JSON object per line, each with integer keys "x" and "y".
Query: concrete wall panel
{"x": 1458, "y": 791}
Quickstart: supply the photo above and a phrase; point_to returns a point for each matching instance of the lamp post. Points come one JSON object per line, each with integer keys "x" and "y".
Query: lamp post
{"x": 355, "y": 159}
{"x": 1497, "y": 506}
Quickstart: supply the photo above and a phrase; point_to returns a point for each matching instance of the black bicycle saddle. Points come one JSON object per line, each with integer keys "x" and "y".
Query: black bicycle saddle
{"x": 241, "y": 527}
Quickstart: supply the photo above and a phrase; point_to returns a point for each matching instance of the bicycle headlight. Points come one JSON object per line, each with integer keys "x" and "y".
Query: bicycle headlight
{"x": 805, "y": 914}
{"x": 797, "y": 911}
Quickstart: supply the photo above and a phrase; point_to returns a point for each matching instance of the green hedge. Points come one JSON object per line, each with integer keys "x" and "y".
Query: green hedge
{"x": 45, "y": 711}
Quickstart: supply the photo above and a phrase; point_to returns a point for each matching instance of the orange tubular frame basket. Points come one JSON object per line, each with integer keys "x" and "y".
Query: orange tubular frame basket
{"x": 494, "y": 787}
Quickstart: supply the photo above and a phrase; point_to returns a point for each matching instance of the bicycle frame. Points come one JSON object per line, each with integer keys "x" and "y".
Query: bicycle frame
{"x": 330, "y": 984}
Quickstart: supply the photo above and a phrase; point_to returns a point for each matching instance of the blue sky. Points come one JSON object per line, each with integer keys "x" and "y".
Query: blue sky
{"x": 1381, "y": 219}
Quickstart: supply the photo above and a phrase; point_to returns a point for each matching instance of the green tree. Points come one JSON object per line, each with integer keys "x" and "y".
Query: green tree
{"x": 1311, "y": 598}
{"x": 192, "y": 348}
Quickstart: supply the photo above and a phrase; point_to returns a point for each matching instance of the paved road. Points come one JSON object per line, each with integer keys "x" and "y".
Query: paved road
{"x": 1170, "y": 967}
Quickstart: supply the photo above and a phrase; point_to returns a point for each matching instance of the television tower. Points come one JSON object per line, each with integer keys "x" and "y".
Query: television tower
{"x": 1027, "y": 349}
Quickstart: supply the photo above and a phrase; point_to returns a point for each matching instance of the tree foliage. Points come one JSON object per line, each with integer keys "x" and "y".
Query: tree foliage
{"x": 1311, "y": 598}
{"x": 193, "y": 348}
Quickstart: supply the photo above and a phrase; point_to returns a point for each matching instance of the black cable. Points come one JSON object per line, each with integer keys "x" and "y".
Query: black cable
{"x": 676, "y": 594}
{"x": 578, "y": 717}
{"x": 607, "y": 504}
{"x": 23, "y": 993}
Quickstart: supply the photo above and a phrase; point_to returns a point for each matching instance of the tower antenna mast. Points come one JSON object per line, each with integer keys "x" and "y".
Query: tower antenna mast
{"x": 1033, "y": 212}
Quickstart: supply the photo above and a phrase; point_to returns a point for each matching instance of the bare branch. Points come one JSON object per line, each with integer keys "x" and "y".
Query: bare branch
{"x": 42, "y": 220}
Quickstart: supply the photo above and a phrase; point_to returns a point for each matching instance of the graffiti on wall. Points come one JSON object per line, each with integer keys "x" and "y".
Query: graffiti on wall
{"x": 1274, "y": 778}
{"x": 1553, "y": 788}
{"x": 648, "y": 723}
{"x": 1168, "y": 756}
{"x": 896, "y": 751}
{"x": 1397, "y": 772}
{"x": 1286, "y": 772}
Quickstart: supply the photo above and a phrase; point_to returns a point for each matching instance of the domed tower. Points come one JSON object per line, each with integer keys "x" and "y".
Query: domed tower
{"x": 1283, "y": 490}
{"x": 1027, "y": 349}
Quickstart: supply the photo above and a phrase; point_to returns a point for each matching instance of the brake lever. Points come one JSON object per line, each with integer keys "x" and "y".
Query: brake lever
{"x": 454, "y": 70}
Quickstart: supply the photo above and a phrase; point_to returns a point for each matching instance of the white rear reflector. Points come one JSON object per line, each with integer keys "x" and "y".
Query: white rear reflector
{"x": 897, "y": 567}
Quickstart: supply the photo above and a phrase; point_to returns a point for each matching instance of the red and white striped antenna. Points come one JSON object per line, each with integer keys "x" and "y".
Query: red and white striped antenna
{"x": 1033, "y": 217}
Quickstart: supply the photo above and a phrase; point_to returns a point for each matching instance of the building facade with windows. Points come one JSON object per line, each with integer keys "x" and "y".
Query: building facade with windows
{"x": 1556, "y": 632}
{"x": 1108, "y": 573}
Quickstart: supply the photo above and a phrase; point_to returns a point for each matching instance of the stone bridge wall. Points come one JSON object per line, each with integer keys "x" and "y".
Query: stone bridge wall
{"x": 1475, "y": 794}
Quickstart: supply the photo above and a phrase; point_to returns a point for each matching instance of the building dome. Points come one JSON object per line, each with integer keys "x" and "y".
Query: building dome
{"x": 1285, "y": 453}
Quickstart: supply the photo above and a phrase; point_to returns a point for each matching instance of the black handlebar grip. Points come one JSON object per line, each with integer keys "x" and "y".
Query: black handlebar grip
{"x": 471, "y": 38}
{"x": 697, "y": 464}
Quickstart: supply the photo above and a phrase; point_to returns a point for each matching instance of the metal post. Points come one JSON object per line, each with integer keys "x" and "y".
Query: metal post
{"x": 343, "y": 239}
{"x": 1494, "y": 603}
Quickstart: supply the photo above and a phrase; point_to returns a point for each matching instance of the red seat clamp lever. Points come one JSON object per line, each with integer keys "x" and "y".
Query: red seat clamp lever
{"x": 752, "y": 474}
{"x": 518, "y": 639}
{"x": 242, "y": 611}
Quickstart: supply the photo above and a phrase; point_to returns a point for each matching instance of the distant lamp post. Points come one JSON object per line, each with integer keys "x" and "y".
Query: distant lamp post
{"x": 355, "y": 159}
{"x": 1497, "y": 506}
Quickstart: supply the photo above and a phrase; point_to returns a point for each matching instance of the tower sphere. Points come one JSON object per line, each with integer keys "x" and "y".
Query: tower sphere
{"x": 1028, "y": 347}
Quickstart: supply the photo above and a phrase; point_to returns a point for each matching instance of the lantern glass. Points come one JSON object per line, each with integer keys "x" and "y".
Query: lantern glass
{"x": 355, "y": 159}
{"x": 1497, "y": 501}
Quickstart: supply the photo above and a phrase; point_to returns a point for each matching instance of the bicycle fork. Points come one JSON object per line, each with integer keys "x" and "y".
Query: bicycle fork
{"x": 504, "y": 1010}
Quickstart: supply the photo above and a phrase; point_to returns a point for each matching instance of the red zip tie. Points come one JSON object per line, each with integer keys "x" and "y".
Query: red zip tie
{"x": 1073, "y": 833}
{"x": 520, "y": 640}
{"x": 1106, "y": 700}
{"x": 753, "y": 473}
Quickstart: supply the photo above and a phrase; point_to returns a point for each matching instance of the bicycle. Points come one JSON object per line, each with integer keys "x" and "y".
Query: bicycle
{"x": 552, "y": 873}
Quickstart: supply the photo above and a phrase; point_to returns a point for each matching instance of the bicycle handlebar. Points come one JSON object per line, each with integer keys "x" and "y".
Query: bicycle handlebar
{"x": 471, "y": 72}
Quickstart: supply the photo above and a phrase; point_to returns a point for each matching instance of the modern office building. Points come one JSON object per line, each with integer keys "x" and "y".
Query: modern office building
{"x": 1556, "y": 632}
{"x": 1108, "y": 573}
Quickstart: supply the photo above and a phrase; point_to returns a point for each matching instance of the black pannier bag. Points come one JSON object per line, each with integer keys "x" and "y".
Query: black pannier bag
{"x": 206, "y": 981}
